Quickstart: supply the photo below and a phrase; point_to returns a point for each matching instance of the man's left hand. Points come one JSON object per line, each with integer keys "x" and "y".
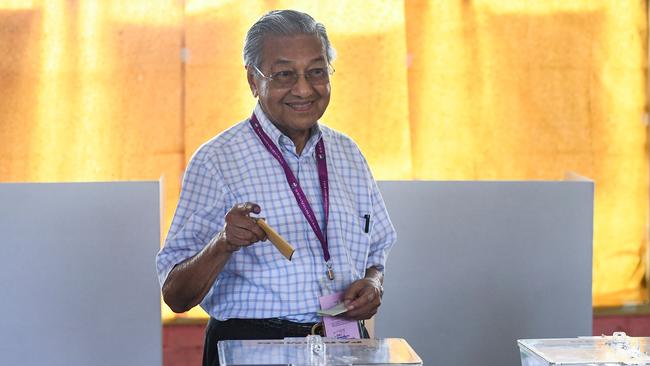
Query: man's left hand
{"x": 362, "y": 299}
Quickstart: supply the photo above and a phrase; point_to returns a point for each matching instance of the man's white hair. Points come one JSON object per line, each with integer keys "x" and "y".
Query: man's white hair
{"x": 282, "y": 23}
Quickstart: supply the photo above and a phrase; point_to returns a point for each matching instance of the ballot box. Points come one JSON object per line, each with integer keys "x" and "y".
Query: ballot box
{"x": 314, "y": 350}
{"x": 618, "y": 349}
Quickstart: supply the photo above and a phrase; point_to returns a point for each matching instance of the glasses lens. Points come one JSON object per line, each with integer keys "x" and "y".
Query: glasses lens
{"x": 317, "y": 76}
{"x": 286, "y": 79}
{"x": 283, "y": 79}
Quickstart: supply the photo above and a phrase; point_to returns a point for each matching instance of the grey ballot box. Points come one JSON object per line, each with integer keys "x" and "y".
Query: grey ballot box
{"x": 314, "y": 350}
{"x": 618, "y": 349}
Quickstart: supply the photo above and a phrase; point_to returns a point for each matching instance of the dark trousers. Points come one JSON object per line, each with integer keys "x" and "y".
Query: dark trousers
{"x": 250, "y": 329}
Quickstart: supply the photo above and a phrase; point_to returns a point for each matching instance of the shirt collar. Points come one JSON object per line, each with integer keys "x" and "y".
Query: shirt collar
{"x": 281, "y": 139}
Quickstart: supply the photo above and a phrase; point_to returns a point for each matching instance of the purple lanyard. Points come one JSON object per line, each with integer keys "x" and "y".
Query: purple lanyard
{"x": 321, "y": 163}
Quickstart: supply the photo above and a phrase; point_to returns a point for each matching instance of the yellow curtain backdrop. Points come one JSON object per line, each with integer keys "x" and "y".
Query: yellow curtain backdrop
{"x": 91, "y": 91}
{"x": 502, "y": 89}
{"x": 484, "y": 89}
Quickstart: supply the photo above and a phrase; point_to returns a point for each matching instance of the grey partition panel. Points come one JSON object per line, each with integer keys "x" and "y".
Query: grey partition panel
{"x": 478, "y": 265}
{"x": 77, "y": 278}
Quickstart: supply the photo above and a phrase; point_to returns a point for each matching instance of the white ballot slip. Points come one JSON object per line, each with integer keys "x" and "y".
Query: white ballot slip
{"x": 336, "y": 310}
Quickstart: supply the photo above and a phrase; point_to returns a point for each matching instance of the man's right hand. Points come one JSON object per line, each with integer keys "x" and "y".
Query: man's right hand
{"x": 189, "y": 281}
{"x": 240, "y": 230}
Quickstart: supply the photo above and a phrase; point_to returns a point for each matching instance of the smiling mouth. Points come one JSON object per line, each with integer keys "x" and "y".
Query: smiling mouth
{"x": 300, "y": 106}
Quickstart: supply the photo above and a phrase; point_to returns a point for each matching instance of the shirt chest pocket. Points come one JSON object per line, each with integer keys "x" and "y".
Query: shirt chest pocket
{"x": 352, "y": 240}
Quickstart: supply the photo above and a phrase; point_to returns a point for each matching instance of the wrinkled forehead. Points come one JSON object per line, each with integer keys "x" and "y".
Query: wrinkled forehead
{"x": 300, "y": 49}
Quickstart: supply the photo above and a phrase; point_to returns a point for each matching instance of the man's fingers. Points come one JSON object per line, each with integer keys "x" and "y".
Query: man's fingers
{"x": 351, "y": 294}
{"x": 363, "y": 298}
{"x": 259, "y": 234}
{"x": 243, "y": 228}
{"x": 364, "y": 311}
{"x": 364, "y": 306}
{"x": 247, "y": 208}
{"x": 243, "y": 236}
{"x": 248, "y": 224}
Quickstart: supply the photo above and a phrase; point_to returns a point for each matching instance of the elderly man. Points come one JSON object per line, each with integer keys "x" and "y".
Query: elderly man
{"x": 312, "y": 185}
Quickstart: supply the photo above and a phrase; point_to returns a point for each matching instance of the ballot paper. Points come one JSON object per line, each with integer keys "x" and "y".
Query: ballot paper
{"x": 334, "y": 311}
{"x": 338, "y": 327}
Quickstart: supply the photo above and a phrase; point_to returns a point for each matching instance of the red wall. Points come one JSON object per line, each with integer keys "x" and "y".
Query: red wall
{"x": 183, "y": 345}
{"x": 633, "y": 325}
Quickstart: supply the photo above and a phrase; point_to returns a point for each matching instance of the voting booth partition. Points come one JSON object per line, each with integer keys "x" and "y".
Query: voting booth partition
{"x": 78, "y": 279}
{"x": 479, "y": 265}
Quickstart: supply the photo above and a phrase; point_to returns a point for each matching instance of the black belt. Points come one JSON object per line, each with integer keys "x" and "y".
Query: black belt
{"x": 277, "y": 323}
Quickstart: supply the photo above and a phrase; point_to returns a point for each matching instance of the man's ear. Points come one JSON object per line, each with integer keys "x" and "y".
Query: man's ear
{"x": 252, "y": 83}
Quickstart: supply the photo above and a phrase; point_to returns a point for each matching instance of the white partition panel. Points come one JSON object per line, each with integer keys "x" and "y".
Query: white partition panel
{"x": 77, "y": 279}
{"x": 478, "y": 265}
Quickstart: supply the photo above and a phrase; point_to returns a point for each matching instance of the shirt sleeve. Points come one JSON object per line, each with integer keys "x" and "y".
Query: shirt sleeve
{"x": 198, "y": 218}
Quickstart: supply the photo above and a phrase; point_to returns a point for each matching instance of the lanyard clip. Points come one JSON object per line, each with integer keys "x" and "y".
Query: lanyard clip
{"x": 330, "y": 272}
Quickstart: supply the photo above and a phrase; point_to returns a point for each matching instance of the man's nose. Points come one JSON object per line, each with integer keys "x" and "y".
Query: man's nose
{"x": 302, "y": 87}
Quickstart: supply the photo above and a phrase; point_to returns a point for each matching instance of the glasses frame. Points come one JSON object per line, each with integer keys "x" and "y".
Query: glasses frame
{"x": 330, "y": 71}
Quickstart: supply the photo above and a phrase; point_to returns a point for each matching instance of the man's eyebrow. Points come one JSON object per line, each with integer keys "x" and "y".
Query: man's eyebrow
{"x": 285, "y": 61}
{"x": 282, "y": 62}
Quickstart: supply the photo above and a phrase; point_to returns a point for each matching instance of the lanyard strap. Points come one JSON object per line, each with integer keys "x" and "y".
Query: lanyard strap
{"x": 301, "y": 199}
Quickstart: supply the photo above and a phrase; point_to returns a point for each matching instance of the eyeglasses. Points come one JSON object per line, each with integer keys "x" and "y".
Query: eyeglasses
{"x": 288, "y": 78}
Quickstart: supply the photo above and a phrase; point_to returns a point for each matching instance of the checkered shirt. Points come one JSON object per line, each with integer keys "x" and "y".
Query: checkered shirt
{"x": 257, "y": 281}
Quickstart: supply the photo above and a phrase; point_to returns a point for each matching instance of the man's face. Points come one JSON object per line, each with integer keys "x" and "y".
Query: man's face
{"x": 293, "y": 109}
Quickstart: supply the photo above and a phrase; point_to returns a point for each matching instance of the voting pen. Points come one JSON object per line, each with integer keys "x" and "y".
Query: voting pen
{"x": 366, "y": 227}
{"x": 285, "y": 248}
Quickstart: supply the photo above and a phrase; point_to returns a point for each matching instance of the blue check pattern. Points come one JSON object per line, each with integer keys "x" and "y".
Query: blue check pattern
{"x": 258, "y": 282}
